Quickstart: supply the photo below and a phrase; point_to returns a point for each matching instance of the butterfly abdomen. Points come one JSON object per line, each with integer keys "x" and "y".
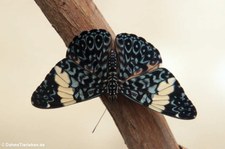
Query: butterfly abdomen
{"x": 112, "y": 85}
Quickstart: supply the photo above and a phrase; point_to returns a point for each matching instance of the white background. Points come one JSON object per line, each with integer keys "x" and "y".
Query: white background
{"x": 189, "y": 34}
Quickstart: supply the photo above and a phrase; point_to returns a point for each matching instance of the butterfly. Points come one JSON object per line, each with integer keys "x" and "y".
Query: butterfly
{"x": 94, "y": 65}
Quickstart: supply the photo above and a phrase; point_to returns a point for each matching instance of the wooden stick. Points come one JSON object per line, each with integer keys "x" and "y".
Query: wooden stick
{"x": 140, "y": 127}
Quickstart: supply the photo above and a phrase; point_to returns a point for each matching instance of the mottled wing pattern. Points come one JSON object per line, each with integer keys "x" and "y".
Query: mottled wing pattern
{"x": 90, "y": 50}
{"x": 143, "y": 82}
{"x": 82, "y": 75}
{"x": 160, "y": 91}
{"x": 135, "y": 55}
{"x": 88, "y": 71}
{"x": 66, "y": 84}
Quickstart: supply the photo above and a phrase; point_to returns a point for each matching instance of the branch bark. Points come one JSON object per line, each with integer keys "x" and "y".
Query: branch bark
{"x": 140, "y": 127}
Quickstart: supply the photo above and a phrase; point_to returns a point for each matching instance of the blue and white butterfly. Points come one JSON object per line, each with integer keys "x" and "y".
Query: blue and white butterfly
{"x": 92, "y": 67}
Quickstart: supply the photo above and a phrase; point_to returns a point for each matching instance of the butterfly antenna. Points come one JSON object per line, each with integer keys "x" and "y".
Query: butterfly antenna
{"x": 99, "y": 121}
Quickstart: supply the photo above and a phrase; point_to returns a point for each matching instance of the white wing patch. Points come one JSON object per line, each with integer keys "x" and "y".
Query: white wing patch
{"x": 64, "y": 95}
{"x": 67, "y": 103}
{"x": 160, "y": 102}
{"x": 166, "y": 91}
{"x": 67, "y": 90}
{"x": 60, "y": 81}
{"x": 64, "y": 91}
{"x": 62, "y": 77}
{"x": 166, "y": 87}
{"x": 166, "y": 83}
{"x": 157, "y": 108}
{"x": 161, "y": 99}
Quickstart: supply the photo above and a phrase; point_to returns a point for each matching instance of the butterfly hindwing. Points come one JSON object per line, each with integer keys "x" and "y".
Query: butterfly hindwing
{"x": 135, "y": 56}
{"x": 160, "y": 91}
{"x": 66, "y": 84}
{"x": 90, "y": 50}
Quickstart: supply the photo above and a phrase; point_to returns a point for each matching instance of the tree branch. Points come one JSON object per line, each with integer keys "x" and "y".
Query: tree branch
{"x": 140, "y": 127}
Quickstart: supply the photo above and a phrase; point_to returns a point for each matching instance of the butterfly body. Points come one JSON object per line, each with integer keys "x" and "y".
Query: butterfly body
{"x": 112, "y": 81}
{"x": 92, "y": 68}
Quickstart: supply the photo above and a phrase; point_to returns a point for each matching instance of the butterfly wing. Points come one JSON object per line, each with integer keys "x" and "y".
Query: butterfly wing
{"x": 66, "y": 84}
{"x": 80, "y": 76}
{"x": 160, "y": 91}
{"x": 90, "y": 50}
{"x": 135, "y": 55}
{"x": 143, "y": 82}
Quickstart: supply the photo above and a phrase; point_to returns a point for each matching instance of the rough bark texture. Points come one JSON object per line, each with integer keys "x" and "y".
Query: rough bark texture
{"x": 140, "y": 127}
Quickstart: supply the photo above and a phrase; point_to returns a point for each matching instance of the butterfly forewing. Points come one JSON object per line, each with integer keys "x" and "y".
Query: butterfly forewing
{"x": 160, "y": 91}
{"x": 66, "y": 84}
